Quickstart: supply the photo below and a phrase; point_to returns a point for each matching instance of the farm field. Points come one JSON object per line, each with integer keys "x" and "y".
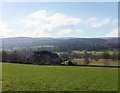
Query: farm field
{"x": 82, "y": 52}
{"x": 21, "y": 77}
{"x": 0, "y": 76}
{"x": 100, "y": 62}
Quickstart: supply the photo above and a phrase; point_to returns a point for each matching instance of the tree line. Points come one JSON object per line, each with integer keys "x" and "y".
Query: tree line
{"x": 33, "y": 58}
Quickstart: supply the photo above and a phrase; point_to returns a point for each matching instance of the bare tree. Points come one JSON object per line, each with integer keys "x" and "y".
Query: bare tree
{"x": 106, "y": 56}
{"x": 86, "y": 58}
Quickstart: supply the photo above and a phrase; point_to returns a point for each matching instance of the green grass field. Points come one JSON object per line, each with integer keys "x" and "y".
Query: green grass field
{"x": 0, "y": 76}
{"x": 82, "y": 52}
{"x": 20, "y": 77}
{"x": 97, "y": 52}
{"x": 100, "y": 62}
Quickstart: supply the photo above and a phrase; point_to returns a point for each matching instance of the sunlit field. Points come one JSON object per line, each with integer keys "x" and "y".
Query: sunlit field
{"x": 100, "y": 62}
{"x": 21, "y": 77}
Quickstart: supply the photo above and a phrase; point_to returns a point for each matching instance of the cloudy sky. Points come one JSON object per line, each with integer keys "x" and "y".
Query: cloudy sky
{"x": 60, "y": 19}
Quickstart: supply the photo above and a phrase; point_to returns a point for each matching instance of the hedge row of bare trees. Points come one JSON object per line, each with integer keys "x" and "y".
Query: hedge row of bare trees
{"x": 89, "y": 56}
{"x": 15, "y": 57}
{"x": 95, "y": 56}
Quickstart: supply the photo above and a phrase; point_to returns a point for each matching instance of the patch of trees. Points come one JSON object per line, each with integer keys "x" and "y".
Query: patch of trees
{"x": 90, "y": 56}
{"x": 49, "y": 58}
{"x": 37, "y": 57}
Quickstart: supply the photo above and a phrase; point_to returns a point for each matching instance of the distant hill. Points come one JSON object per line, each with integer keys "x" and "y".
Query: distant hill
{"x": 111, "y": 40}
{"x": 80, "y": 42}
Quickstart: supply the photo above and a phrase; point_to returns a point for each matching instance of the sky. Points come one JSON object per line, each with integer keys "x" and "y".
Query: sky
{"x": 59, "y": 19}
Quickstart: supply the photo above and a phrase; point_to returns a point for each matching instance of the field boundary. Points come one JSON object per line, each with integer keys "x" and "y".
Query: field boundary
{"x": 94, "y": 66}
{"x": 69, "y": 65}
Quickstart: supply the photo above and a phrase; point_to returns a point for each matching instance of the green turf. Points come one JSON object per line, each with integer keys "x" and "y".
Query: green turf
{"x": 100, "y": 62}
{"x": 97, "y": 52}
{"x": 19, "y": 77}
{"x": 0, "y": 76}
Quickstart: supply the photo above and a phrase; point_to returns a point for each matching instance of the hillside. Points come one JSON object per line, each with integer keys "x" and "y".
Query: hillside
{"x": 8, "y": 43}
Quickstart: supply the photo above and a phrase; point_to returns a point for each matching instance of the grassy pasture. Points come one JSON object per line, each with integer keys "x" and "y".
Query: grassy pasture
{"x": 20, "y": 77}
{"x": 82, "y": 52}
{"x": 100, "y": 62}
{"x": 0, "y": 76}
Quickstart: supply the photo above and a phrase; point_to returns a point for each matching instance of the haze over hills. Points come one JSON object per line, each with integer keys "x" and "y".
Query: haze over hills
{"x": 29, "y": 42}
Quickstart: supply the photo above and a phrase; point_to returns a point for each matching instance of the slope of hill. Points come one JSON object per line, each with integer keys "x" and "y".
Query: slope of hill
{"x": 80, "y": 42}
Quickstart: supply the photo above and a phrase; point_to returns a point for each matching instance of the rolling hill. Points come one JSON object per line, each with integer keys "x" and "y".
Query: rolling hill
{"x": 8, "y": 43}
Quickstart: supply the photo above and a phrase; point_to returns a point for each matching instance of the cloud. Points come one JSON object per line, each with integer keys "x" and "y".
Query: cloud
{"x": 115, "y": 21}
{"x": 43, "y": 24}
{"x": 95, "y": 22}
{"x": 4, "y": 30}
{"x": 69, "y": 33}
{"x": 113, "y": 33}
